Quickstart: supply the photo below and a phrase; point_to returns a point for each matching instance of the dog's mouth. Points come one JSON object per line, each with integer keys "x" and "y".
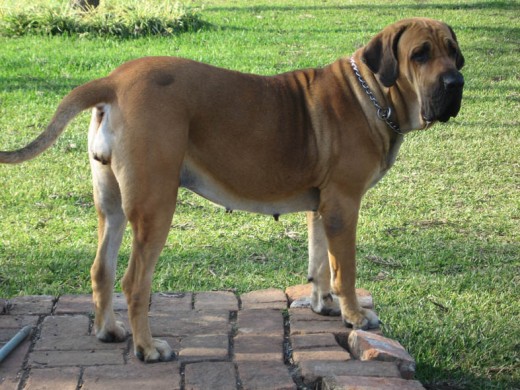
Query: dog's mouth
{"x": 445, "y": 100}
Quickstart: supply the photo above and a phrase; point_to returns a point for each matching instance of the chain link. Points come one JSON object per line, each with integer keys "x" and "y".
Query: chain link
{"x": 383, "y": 113}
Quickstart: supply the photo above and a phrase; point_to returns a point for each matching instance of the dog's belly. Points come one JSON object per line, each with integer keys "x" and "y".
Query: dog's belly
{"x": 203, "y": 184}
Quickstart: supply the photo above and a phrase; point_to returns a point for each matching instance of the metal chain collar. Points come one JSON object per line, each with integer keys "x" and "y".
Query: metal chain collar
{"x": 383, "y": 113}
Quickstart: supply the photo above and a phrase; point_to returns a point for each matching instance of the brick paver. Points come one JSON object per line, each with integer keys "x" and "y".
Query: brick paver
{"x": 222, "y": 341}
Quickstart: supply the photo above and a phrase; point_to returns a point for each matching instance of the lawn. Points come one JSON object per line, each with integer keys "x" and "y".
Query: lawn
{"x": 438, "y": 239}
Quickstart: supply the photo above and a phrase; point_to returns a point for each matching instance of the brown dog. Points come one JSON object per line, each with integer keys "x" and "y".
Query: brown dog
{"x": 312, "y": 140}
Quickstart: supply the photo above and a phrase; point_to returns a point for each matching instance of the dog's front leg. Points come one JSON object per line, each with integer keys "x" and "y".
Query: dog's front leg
{"x": 340, "y": 216}
{"x": 322, "y": 301}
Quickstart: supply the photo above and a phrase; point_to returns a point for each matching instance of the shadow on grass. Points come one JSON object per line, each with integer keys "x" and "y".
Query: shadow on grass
{"x": 462, "y": 380}
{"x": 500, "y": 5}
{"x": 31, "y": 83}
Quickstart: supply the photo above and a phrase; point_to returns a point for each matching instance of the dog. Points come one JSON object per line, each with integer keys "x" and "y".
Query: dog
{"x": 311, "y": 140}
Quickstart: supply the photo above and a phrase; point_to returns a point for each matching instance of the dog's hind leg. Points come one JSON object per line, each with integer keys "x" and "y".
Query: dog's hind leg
{"x": 150, "y": 217}
{"x": 148, "y": 171}
{"x": 111, "y": 225}
{"x": 322, "y": 301}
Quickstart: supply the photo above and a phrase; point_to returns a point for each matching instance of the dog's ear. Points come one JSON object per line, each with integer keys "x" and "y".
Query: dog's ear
{"x": 459, "y": 58}
{"x": 380, "y": 55}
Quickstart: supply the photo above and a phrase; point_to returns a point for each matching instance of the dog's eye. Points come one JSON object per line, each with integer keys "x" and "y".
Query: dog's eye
{"x": 452, "y": 50}
{"x": 422, "y": 54}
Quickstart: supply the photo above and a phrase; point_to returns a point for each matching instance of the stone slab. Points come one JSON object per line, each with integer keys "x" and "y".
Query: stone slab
{"x": 368, "y": 346}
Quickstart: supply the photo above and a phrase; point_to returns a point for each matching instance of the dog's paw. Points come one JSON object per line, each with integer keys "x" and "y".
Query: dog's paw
{"x": 159, "y": 352}
{"x": 114, "y": 334}
{"x": 326, "y": 305}
{"x": 364, "y": 319}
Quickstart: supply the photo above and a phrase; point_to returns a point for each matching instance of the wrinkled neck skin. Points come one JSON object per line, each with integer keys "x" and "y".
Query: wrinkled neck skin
{"x": 386, "y": 139}
{"x": 406, "y": 111}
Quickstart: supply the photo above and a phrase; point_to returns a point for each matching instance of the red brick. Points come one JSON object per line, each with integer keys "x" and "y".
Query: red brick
{"x": 74, "y": 304}
{"x": 312, "y": 371}
{"x": 311, "y": 341}
{"x": 78, "y": 304}
{"x": 369, "y": 346}
{"x": 206, "y": 347}
{"x": 170, "y": 303}
{"x": 63, "y": 378}
{"x": 76, "y": 358}
{"x": 316, "y": 347}
{"x": 138, "y": 376}
{"x": 65, "y": 326}
{"x": 190, "y": 323}
{"x": 264, "y": 375}
{"x": 369, "y": 383}
{"x": 76, "y": 343}
{"x": 305, "y": 321}
{"x": 258, "y": 348}
{"x": 210, "y": 375}
{"x": 261, "y": 321}
{"x": 17, "y": 322}
{"x": 216, "y": 300}
{"x": 324, "y": 354}
{"x": 271, "y": 298}
{"x": 32, "y": 304}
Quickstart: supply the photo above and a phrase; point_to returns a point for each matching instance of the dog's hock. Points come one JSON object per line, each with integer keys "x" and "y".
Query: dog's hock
{"x": 101, "y": 135}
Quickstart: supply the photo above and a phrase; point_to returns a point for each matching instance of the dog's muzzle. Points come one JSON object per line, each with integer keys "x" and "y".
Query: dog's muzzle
{"x": 446, "y": 98}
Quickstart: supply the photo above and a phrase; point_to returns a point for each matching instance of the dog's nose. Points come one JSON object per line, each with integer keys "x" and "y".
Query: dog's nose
{"x": 453, "y": 80}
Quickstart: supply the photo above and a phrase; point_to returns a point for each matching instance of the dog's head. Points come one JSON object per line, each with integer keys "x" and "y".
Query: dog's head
{"x": 420, "y": 56}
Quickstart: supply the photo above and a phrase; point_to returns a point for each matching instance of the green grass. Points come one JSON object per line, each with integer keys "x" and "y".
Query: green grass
{"x": 438, "y": 241}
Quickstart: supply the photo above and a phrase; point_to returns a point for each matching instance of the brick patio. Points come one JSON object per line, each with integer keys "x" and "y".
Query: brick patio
{"x": 222, "y": 341}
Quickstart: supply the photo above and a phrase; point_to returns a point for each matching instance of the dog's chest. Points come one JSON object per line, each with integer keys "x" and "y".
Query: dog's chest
{"x": 389, "y": 161}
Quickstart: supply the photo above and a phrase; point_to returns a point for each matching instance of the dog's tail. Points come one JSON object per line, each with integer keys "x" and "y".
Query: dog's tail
{"x": 79, "y": 99}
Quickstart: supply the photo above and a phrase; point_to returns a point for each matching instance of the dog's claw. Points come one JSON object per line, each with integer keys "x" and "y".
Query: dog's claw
{"x": 160, "y": 352}
{"x": 369, "y": 321}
